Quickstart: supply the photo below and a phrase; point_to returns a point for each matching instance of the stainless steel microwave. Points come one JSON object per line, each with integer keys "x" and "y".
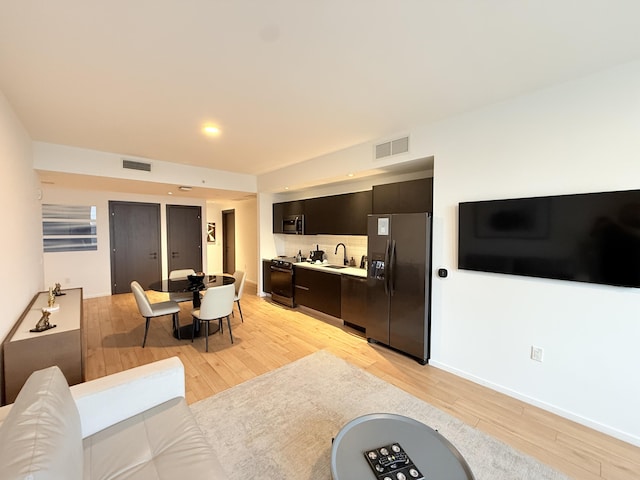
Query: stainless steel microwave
{"x": 293, "y": 224}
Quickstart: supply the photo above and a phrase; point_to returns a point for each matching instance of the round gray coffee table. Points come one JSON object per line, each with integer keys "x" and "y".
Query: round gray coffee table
{"x": 434, "y": 456}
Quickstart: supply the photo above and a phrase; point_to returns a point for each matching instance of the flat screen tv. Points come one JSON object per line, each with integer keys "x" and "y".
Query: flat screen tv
{"x": 592, "y": 237}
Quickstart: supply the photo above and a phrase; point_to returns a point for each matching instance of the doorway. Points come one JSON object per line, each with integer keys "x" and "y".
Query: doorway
{"x": 184, "y": 237}
{"x": 134, "y": 232}
{"x": 228, "y": 241}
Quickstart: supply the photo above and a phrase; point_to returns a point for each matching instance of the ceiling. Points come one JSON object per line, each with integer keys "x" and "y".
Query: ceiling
{"x": 285, "y": 80}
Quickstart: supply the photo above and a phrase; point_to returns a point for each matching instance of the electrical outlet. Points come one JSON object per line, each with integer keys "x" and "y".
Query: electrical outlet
{"x": 537, "y": 353}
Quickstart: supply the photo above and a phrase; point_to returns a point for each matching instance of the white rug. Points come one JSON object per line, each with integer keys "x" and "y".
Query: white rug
{"x": 280, "y": 425}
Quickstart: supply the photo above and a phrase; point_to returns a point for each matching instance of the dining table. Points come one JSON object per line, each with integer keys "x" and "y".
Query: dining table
{"x": 195, "y": 285}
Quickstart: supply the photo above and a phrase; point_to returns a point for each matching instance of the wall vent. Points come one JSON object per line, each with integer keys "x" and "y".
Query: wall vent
{"x": 133, "y": 165}
{"x": 392, "y": 147}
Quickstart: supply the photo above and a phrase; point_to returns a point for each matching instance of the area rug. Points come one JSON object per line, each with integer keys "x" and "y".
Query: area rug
{"x": 280, "y": 425}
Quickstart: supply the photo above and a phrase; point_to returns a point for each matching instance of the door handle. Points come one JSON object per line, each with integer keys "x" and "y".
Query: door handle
{"x": 392, "y": 270}
{"x": 175, "y": 254}
{"x": 153, "y": 256}
{"x": 386, "y": 268}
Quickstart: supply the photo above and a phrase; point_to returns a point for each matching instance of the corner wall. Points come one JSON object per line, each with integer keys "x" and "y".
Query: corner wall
{"x": 246, "y": 246}
{"x": 21, "y": 241}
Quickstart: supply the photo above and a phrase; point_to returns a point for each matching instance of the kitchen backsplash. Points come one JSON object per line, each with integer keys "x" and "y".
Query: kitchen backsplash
{"x": 356, "y": 246}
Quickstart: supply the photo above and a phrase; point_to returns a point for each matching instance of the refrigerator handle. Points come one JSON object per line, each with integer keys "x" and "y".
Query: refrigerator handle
{"x": 386, "y": 268}
{"x": 392, "y": 268}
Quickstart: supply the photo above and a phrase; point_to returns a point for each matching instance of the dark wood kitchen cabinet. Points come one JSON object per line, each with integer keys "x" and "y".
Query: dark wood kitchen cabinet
{"x": 318, "y": 290}
{"x": 414, "y": 196}
{"x": 266, "y": 276}
{"x": 353, "y": 301}
{"x": 338, "y": 214}
{"x": 284, "y": 209}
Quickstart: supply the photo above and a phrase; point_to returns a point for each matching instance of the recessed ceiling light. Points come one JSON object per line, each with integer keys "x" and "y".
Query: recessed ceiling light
{"x": 211, "y": 130}
{"x": 349, "y": 174}
{"x": 286, "y": 188}
{"x": 170, "y": 193}
{"x": 184, "y": 188}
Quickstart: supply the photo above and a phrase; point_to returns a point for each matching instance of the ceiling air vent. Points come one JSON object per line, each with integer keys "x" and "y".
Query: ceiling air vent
{"x": 392, "y": 147}
{"x": 133, "y": 165}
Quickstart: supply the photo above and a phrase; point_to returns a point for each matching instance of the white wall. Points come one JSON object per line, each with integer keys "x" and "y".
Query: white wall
{"x": 214, "y": 250}
{"x": 21, "y": 239}
{"x": 246, "y": 247}
{"x": 267, "y": 241}
{"x": 92, "y": 270}
{"x": 576, "y": 137}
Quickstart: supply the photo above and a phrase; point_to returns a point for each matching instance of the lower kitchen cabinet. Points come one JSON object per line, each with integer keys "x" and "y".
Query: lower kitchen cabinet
{"x": 353, "y": 299}
{"x": 318, "y": 290}
{"x": 266, "y": 276}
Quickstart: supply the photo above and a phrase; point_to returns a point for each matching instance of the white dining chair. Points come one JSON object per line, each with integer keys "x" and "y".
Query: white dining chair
{"x": 217, "y": 304}
{"x": 180, "y": 275}
{"x": 240, "y": 276}
{"x": 151, "y": 310}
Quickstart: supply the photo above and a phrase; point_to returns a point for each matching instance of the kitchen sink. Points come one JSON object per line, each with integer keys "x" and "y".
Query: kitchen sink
{"x": 335, "y": 266}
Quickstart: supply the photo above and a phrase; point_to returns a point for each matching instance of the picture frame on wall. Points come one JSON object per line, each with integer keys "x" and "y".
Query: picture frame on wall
{"x": 211, "y": 232}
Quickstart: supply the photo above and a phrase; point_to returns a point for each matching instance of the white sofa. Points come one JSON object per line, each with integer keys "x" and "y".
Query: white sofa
{"x": 130, "y": 425}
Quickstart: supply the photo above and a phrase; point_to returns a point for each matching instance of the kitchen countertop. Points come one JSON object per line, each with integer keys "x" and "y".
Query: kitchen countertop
{"x": 324, "y": 267}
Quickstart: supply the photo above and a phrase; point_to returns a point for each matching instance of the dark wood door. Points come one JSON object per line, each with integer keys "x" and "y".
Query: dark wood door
{"x": 134, "y": 231}
{"x": 184, "y": 237}
{"x": 228, "y": 241}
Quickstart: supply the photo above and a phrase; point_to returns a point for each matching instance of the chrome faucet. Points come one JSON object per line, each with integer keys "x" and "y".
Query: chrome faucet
{"x": 346, "y": 262}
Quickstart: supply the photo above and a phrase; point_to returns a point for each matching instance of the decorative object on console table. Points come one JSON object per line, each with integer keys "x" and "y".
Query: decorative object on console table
{"x": 51, "y": 302}
{"x": 43, "y": 324}
{"x": 58, "y": 291}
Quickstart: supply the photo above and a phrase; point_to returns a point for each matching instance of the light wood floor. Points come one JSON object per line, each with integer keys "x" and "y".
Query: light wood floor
{"x": 272, "y": 336}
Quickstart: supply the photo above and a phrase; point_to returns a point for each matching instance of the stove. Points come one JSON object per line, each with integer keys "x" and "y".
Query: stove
{"x": 283, "y": 261}
{"x": 282, "y": 280}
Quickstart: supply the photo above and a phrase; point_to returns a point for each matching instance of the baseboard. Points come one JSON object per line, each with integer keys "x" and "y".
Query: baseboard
{"x": 587, "y": 422}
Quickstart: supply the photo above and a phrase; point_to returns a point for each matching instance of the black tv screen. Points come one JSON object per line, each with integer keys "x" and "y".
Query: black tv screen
{"x": 592, "y": 237}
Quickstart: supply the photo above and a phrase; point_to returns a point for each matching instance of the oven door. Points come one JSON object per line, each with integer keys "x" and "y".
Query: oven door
{"x": 282, "y": 285}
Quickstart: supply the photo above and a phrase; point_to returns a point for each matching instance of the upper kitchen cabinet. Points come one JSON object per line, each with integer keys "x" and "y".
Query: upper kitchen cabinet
{"x": 338, "y": 214}
{"x": 284, "y": 209}
{"x": 414, "y": 196}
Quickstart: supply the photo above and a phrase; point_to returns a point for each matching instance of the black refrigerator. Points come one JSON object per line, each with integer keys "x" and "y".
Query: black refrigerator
{"x": 399, "y": 282}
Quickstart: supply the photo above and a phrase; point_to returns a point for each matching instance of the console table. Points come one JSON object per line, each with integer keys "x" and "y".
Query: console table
{"x": 26, "y": 352}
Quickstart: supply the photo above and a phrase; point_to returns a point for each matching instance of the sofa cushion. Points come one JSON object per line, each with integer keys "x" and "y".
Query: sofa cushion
{"x": 163, "y": 442}
{"x": 41, "y": 437}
